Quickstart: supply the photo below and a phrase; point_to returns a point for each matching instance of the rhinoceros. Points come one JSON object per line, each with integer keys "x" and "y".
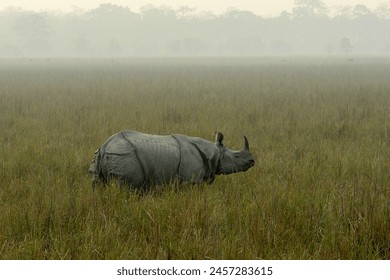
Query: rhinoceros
{"x": 140, "y": 160}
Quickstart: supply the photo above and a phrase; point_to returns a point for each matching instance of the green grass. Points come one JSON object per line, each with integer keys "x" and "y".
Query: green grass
{"x": 319, "y": 131}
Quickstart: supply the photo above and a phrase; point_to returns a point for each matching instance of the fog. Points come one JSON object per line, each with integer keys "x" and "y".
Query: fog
{"x": 309, "y": 28}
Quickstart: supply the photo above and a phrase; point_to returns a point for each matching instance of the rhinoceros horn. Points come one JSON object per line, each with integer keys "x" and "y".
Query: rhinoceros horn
{"x": 246, "y": 144}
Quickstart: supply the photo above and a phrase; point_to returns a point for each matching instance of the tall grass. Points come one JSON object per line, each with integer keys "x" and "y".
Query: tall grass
{"x": 319, "y": 131}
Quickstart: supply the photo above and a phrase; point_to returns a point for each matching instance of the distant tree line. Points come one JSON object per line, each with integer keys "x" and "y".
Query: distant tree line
{"x": 111, "y": 30}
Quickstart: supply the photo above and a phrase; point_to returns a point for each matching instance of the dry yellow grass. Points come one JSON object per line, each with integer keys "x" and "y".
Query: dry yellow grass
{"x": 320, "y": 132}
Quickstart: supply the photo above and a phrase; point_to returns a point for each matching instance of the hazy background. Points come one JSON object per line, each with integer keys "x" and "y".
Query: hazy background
{"x": 202, "y": 28}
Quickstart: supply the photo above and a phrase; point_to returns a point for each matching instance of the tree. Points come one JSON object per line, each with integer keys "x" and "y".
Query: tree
{"x": 82, "y": 46}
{"x": 309, "y": 8}
{"x": 34, "y": 33}
{"x": 185, "y": 12}
{"x": 154, "y": 13}
{"x": 383, "y": 11}
{"x": 110, "y": 11}
{"x": 345, "y": 45}
{"x": 114, "y": 47}
{"x": 361, "y": 10}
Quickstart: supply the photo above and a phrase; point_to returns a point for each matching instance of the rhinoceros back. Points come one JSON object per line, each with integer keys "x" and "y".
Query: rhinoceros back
{"x": 140, "y": 159}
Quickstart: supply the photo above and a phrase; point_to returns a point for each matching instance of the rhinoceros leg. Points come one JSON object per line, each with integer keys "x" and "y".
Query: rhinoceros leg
{"x": 94, "y": 169}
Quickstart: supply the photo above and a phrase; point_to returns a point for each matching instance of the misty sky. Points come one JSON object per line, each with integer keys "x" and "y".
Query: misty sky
{"x": 259, "y": 7}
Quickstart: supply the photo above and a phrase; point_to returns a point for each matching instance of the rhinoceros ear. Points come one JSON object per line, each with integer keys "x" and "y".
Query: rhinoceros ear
{"x": 218, "y": 137}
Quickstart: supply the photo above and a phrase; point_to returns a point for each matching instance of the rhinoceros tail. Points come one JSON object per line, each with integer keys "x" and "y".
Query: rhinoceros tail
{"x": 94, "y": 168}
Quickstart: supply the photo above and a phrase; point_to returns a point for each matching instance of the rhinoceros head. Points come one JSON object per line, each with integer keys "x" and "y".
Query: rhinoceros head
{"x": 231, "y": 161}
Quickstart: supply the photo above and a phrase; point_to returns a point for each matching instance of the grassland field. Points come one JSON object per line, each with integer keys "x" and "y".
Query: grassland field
{"x": 319, "y": 130}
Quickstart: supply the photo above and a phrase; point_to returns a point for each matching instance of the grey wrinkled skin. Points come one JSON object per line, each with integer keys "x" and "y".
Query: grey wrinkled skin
{"x": 140, "y": 160}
